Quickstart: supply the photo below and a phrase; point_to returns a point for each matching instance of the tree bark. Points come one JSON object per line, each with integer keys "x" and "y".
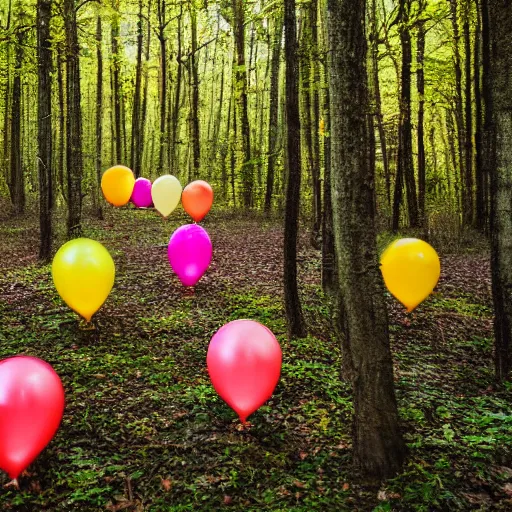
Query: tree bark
{"x": 44, "y": 126}
{"x": 500, "y": 25}
{"x": 177, "y": 98}
{"x": 17, "y": 181}
{"x": 487, "y": 113}
{"x": 246, "y": 170}
{"x": 162, "y": 24}
{"x": 62, "y": 122}
{"x": 294, "y": 316}
{"x": 468, "y": 133}
{"x": 420, "y": 77}
{"x": 99, "y": 115}
{"x": 116, "y": 70}
{"x": 136, "y": 133}
{"x": 142, "y": 142}
{"x": 273, "y": 112}
{"x": 378, "y": 445}
{"x": 194, "y": 110}
{"x": 74, "y": 158}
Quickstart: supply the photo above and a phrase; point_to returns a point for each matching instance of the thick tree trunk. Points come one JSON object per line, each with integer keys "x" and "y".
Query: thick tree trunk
{"x": 177, "y": 98}
{"x": 273, "y": 112}
{"x": 246, "y": 170}
{"x": 420, "y": 77}
{"x": 44, "y": 126}
{"x": 294, "y": 316}
{"x": 378, "y": 446}
{"x": 73, "y": 122}
{"x": 99, "y": 114}
{"x": 500, "y": 25}
{"x": 162, "y": 39}
{"x": 17, "y": 181}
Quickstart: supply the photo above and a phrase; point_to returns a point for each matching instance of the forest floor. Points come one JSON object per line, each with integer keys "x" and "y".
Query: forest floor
{"x": 143, "y": 428}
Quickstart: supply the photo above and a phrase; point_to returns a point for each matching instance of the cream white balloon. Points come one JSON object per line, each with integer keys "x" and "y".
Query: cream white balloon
{"x": 166, "y": 194}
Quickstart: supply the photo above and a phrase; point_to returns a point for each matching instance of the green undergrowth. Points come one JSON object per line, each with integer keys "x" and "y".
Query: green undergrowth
{"x": 144, "y": 429}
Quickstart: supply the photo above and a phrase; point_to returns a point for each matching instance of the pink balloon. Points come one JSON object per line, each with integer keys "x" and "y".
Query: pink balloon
{"x": 190, "y": 253}
{"x": 141, "y": 195}
{"x": 31, "y": 407}
{"x": 244, "y": 363}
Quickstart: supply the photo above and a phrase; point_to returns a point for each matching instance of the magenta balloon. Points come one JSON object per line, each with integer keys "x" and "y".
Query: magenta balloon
{"x": 190, "y": 253}
{"x": 141, "y": 195}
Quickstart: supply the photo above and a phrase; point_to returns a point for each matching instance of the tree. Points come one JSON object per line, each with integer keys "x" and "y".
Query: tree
{"x": 378, "y": 445}
{"x": 74, "y": 158}
{"x": 500, "y": 27}
{"x": 294, "y": 316}
{"x": 44, "y": 127}
{"x": 99, "y": 114}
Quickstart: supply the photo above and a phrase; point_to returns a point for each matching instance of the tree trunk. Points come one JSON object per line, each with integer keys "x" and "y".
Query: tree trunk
{"x": 73, "y": 122}
{"x": 500, "y": 26}
{"x": 246, "y": 170}
{"x": 7, "y": 101}
{"x": 136, "y": 132}
{"x": 161, "y": 12}
{"x": 140, "y": 152}
{"x": 17, "y": 182}
{"x": 458, "y": 103}
{"x": 378, "y": 445}
{"x": 420, "y": 76}
{"x": 194, "y": 109}
{"x": 44, "y": 127}
{"x": 480, "y": 213}
{"x": 62, "y": 122}
{"x": 294, "y": 316}
{"x": 116, "y": 69}
{"x": 468, "y": 133}
{"x": 487, "y": 114}
{"x": 99, "y": 115}
{"x": 273, "y": 111}
{"x": 405, "y": 169}
{"x": 177, "y": 98}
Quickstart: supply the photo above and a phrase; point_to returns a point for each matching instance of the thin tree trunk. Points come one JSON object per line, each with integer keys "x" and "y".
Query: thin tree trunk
{"x": 116, "y": 69}
{"x": 162, "y": 23}
{"x": 73, "y": 123}
{"x": 44, "y": 126}
{"x": 487, "y": 115}
{"x": 136, "y": 131}
{"x": 140, "y": 152}
{"x": 500, "y": 29}
{"x": 7, "y": 100}
{"x": 273, "y": 111}
{"x": 458, "y": 104}
{"x": 420, "y": 77}
{"x": 480, "y": 210}
{"x": 194, "y": 109}
{"x": 468, "y": 133}
{"x": 378, "y": 446}
{"x": 17, "y": 181}
{"x": 177, "y": 98}
{"x": 246, "y": 164}
{"x": 62, "y": 122}
{"x": 99, "y": 114}
{"x": 294, "y": 316}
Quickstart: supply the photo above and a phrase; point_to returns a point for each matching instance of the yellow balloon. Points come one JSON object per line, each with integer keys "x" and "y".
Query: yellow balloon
{"x": 83, "y": 272}
{"x": 117, "y": 185}
{"x": 166, "y": 194}
{"x": 411, "y": 269}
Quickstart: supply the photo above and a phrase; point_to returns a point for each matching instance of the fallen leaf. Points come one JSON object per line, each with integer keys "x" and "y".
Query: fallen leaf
{"x": 166, "y": 484}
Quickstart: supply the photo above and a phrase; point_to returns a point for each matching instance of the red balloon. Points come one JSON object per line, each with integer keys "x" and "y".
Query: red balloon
{"x": 31, "y": 407}
{"x": 244, "y": 363}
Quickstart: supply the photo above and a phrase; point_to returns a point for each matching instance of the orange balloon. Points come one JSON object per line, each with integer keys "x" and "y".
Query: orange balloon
{"x": 197, "y": 199}
{"x": 117, "y": 185}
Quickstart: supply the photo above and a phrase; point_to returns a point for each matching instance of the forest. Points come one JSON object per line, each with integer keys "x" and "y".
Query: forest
{"x": 256, "y": 255}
